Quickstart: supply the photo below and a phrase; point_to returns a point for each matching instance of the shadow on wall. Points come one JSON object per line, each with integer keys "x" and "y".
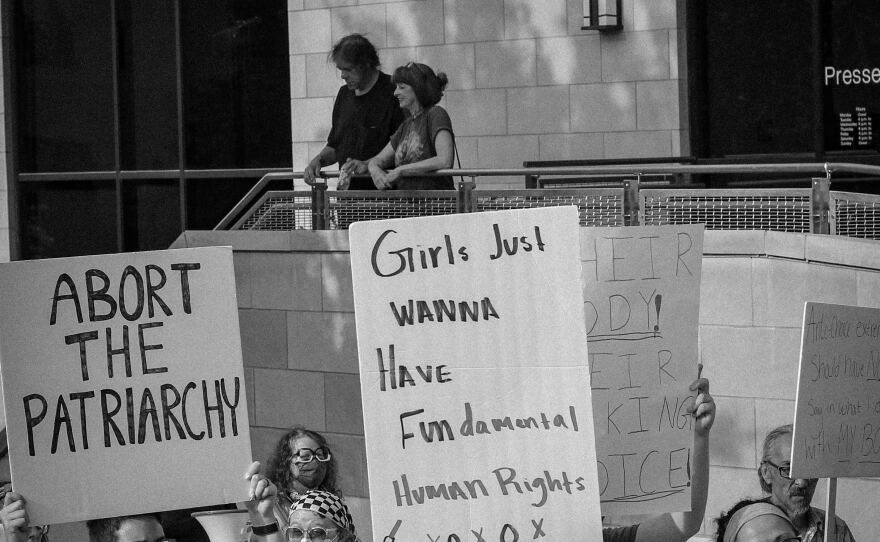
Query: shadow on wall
{"x": 524, "y": 79}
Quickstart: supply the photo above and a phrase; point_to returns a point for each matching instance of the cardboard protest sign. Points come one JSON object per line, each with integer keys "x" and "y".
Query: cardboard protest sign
{"x": 123, "y": 381}
{"x": 474, "y": 378}
{"x": 642, "y": 299}
{"x": 837, "y": 412}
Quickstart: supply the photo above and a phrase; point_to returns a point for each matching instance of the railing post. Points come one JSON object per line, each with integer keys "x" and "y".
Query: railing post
{"x": 319, "y": 206}
{"x": 820, "y": 200}
{"x": 466, "y": 196}
{"x": 631, "y": 202}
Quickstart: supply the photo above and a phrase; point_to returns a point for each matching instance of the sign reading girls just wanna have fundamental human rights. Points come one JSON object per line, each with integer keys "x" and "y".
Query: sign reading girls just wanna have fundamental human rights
{"x": 123, "y": 383}
{"x": 474, "y": 377}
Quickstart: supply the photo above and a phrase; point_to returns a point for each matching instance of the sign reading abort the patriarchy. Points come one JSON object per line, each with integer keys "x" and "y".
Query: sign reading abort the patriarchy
{"x": 473, "y": 362}
{"x": 123, "y": 383}
{"x": 837, "y": 410}
{"x": 642, "y": 299}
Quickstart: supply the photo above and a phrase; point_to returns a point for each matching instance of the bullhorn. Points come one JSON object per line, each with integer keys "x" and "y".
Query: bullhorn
{"x": 225, "y": 525}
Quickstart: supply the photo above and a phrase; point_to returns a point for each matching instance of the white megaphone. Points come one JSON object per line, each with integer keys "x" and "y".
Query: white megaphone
{"x": 225, "y": 525}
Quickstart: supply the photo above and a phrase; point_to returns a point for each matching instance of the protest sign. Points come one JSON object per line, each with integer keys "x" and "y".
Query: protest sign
{"x": 123, "y": 381}
{"x": 474, "y": 377}
{"x": 642, "y": 299}
{"x": 837, "y": 408}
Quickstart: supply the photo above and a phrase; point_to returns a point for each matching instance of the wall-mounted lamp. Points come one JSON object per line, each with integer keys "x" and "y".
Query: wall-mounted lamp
{"x": 602, "y": 15}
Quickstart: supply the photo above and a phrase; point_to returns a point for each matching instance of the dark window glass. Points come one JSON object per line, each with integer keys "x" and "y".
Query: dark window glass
{"x": 68, "y": 218}
{"x": 64, "y": 81}
{"x": 151, "y": 211}
{"x": 759, "y": 77}
{"x": 208, "y": 200}
{"x": 236, "y": 83}
{"x": 147, "y": 84}
{"x": 851, "y": 76}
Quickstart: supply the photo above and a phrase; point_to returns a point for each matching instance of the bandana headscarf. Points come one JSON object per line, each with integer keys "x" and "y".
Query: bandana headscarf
{"x": 325, "y": 504}
{"x": 748, "y": 513}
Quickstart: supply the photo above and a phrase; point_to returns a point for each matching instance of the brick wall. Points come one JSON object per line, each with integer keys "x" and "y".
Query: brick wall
{"x": 298, "y": 337}
{"x": 525, "y": 82}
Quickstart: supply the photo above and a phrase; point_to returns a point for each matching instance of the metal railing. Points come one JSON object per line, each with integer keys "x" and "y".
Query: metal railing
{"x": 626, "y": 201}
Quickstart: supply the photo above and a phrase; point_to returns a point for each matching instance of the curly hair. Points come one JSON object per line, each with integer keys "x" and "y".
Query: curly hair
{"x": 278, "y": 469}
{"x": 427, "y": 86}
{"x": 104, "y": 530}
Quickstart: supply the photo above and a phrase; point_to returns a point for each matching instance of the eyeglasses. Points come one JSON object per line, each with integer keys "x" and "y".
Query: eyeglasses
{"x": 316, "y": 534}
{"x": 784, "y": 471}
{"x": 306, "y": 455}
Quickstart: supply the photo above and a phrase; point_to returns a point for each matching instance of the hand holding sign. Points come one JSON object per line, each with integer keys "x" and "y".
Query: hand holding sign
{"x": 14, "y": 517}
{"x": 704, "y": 405}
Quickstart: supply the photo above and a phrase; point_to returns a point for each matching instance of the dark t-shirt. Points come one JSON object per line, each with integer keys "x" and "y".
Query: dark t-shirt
{"x": 414, "y": 142}
{"x": 620, "y": 534}
{"x": 363, "y": 124}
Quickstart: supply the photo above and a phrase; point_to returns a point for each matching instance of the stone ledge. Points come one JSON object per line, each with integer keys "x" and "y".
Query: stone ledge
{"x": 267, "y": 241}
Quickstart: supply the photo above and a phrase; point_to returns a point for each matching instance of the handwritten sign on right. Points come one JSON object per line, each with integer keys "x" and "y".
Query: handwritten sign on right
{"x": 837, "y": 412}
{"x": 642, "y": 301}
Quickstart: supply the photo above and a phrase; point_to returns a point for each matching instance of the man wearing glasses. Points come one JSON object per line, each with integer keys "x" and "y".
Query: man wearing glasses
{"x": 794, "y": 496}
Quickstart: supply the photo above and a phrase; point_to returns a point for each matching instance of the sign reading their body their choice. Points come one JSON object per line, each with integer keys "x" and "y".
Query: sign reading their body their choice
{"x": 837, "y": 410}
{"x": 474, "y": 377}
{"x": 123, "y": 382}
{"x": 642, "y": 299}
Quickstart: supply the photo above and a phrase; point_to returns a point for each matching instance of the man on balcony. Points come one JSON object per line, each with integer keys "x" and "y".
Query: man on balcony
{"x": 365, "y": 114}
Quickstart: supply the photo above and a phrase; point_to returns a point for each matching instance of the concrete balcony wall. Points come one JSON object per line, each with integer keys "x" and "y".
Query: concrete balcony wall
{"x": 298, "y": 337}
{"x": 525, "y": 81}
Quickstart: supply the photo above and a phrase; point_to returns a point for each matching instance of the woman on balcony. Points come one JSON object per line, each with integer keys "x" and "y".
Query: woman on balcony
{"x": 424, "y": 142}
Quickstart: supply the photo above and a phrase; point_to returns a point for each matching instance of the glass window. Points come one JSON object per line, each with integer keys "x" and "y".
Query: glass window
{"x": 67, "y": 218}
{"x": 64, "y": 79}
{"x": 759, "y": 80}
{"x": 851, "y": 76}
{"x": 151, "y": 213}
{"x": 236, "y": 83}
{"x": 147, "y": 85}
{"x": 208, "y": 200}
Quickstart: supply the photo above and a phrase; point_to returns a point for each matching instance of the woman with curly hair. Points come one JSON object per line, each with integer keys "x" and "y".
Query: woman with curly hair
{"x": 301, "y": 461}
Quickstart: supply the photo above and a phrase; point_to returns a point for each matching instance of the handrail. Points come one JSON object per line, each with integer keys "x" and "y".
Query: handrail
{"x": 823, "y": 169}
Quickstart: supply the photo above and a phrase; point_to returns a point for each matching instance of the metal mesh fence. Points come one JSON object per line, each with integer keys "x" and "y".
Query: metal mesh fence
{"x": 855, "y": 215}
{"x": 777, "y": 210}
{"x": 596, "y": 207}
{"x": 282, "y": 211}
{"x": 347, "y": 207}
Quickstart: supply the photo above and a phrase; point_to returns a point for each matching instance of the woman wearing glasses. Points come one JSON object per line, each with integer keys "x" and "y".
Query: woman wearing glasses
{"x": 302, "y": 461}
{"x": 315, "y": 515}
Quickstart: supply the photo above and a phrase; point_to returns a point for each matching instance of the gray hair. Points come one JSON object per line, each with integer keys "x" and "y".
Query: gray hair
{"x": 769, "y": 442}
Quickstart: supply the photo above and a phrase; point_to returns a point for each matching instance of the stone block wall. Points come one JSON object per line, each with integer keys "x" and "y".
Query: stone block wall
{"x": 525, "y": 82}
{"x": 298, "y": 338}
